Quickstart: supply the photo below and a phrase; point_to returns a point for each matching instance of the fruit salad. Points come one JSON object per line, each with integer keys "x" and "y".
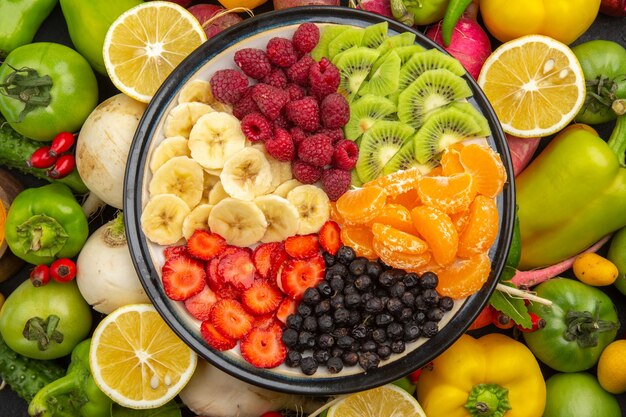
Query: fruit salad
{"x": 325, "y": 200}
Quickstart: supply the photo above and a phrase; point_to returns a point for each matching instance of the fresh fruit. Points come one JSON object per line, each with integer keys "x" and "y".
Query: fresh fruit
{"x": 230, "y": 319}
{"x": 182, "y": 117}
{"x": 450, "y": 194}
{"x": 261, "y": 298}
{"x": 215, "y": 339}
{"x": 180, "y": 176}
{"x": 329, "y": 237}
{"x": 535, "y": 85}
{"x": 183, "y": 277}
{"x": 199, "y": 305}
{"x": 485, "y": 167}
{"x": 236, "y": 269}
{"x": 246, "y": 174}
{"x": 205, "y": 245}
{"x": 262, "y": 257}
{"x": 438, "y": 231}
{"x": 137, "y": 360}
{"x": 384, "y": 76}
{"x": 611, "y": 366}
{"x": 354, "y": 65}
{"x": 263, "y": 347}
{"x": 299, "y": 274}
{"x": 283, "y": 218}
{"x": 214, "y": 138}
{"x": 241, "y": 223}
{"x": 197, "y": 219}
{"x": 140, "y": 52}
{"x": 480, "y": 229}
{"x": 361, "y": 205}
{"x": 162, "y": 218}
{"x": 302, "y": 246}
{"x": 365, "y": 111}
{"x": 167, "y": 149}
{"x": 389, "y": 399}
{"x": 312, "y": 205}
{"x": 594, "y": 269}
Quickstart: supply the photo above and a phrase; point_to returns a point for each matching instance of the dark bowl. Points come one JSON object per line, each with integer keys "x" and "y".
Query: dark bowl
{"x": 147, "y": 257}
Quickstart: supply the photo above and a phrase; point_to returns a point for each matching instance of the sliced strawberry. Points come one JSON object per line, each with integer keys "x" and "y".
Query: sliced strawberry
{"x": 175, "y": 250}
{"x": 214, "y": 279}
{"x": 262, "y": 257}
{"x": 285, "y": 309}
{"x": 264, "y": 348}
{"x": 230, "y": 319}
{"x": 183, "y": 277}
{"x": 205, "y": 245}
{"x": 302, "y": 246}
{"x": 199, "y": 305}
{"x": 299, "y": 274}
{"x": 278, "y": 258}
{"x": 262, "y": 297}
{"x": 237, "y": 269}
{"x": 214, "y": 338}
{"x": 330, "y": 237}
{"x": 265, "y": 321}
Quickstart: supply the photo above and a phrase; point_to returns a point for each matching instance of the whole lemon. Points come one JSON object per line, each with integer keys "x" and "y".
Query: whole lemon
{"x": 612, "y": 367}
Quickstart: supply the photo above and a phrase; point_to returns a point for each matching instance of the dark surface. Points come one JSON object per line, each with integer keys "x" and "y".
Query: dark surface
{"x": 54, "y": 29}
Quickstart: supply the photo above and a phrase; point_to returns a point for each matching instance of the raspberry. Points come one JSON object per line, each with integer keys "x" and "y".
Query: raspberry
{"x": 276, "y": 78}
{"x": 253, "y": 62}
{"x": 305, "y": 173}
{"x": 299, "y": 72}
{"x": 245, "y": 105}
{"x": 304, "y": 113}
{"x": 280, "y": 146}
{"x": 269, "y": 99}
{"x": 306, "y": 37}
{"x": 281, "y": 122}
{"x": 316, "y": 150}
{"x": 228, "y": 85}
{"x": 335, "y": 134}
{"x": 335, "y": 182}
{"x": 281, "y": 52}
{"x": 256, "y": 127}
{"x": 334, "y": 111}
{"x": 324, "y": 78}
{"x": 298, "y": 135}
{"x": 345, "y": 154}
{"x": 295, "y": 91}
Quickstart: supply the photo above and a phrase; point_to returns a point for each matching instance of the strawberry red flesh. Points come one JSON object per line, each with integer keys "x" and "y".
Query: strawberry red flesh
{"x": 264, "y": 348}
{"x": 199, "y": 305}
{"x": 261, "y": 298}
{"x": 285, "y": 309}
{"x": 262, "y": 257}
{"x": 183, "y": 277}
{"x": 330, "y": 237}
{"x": 237, "y": 269}
{"x": 299, "y": 274}
{"x": 278, "y": 258}
{"x": 214, "y": 338}
{"x": 302, "y": 246}
{"x": 175, "y": 250}
{"x": 205, "y": 245}
{"x": 230, "y": 319}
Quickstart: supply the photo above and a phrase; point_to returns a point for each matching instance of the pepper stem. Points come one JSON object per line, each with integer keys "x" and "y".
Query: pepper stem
{"x": 617, "y": 140}
{"x": 488, "y": 400}
{"x": 43, "y": 331}
{"x": 401, "y": 14}
{"x": 26, "y": 85}
{"x": 585, "y": 327}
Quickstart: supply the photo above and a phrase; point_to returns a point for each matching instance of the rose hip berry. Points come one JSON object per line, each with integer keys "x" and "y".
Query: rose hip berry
{"x": 63, "y": 270}
{"x": 61, "y": 143}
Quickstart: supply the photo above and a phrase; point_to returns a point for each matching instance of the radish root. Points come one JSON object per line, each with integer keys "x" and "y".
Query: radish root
{"x": 227, "y": 11}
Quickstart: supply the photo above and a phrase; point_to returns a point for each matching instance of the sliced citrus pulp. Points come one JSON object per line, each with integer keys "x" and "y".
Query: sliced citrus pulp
{"x": 387, "y": 400}
{"x": 144, "y": 45}
{"x": 535, "y": 85}
{"x": 137, "y": 360}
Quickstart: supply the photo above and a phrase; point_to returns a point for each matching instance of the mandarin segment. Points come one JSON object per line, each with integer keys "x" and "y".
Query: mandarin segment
{"x": 400, "y": 260}
{"x": 398, "y": 182}
{"x": 438, "y": 231}
{"x": 451, "y": 160}
{"x": 481, "y": 229}
{"x": 448, "y": 194}
{"x": 460, "y": 220}
{"x": 360, "y": 239}
{"x": 408, "y": 199}
{"x": 396, "y": 216}
{"x": 361, "y": 205}
{"x": 397, "y": 240}
{"x": 464, "y": 276}
{"x": 485, "y": 167}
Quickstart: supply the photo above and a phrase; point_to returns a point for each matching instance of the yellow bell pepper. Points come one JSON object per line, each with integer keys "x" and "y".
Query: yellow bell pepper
{"x": 493, "y": 376}
{"x": 248, "y": 4}
{"x": 563, "y": 20}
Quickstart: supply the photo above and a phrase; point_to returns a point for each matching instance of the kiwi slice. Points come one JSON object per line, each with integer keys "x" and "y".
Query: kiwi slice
{"x": 364, "y": 112}
{"x": 384, "y": 80}
{"x": 378, "y": 146}
{"x": 405, "y": 159}
{"x": 375, "y": 35}
{"x": 406, "y": 52}
{"x": 327, "y": 34}
{"x": 402, "y": 39}
{"x": 442, "y": 128}
{"x": 347, "y": 39}
{"x": 354, "y": 66}
{"x": 478, "y": 117}
{"x": 356, "y": 181}
{"x": 432, "y": 89}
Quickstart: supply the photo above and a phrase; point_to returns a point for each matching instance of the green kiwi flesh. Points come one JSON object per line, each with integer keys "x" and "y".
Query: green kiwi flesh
{"x": 347, "y": 39}
{"x": 401, "y": 39}
{"x": 327, "y": 34}
{"x": 478, "y": 117}
{"x": 364, "y": 112}
{"x": 375, "y": 35}
{"x": 428, "y": 60}
{"x": 442, "y": 128}
{"x": 355, "y": 181}
{"x": 378, "y": 146}
{"x": 407, "y": 52}
{"x": 405, "y": 159}
{"x": 384, "y": 80}
{"x": 432, "y": 89}
{"x": 354, "y": 66}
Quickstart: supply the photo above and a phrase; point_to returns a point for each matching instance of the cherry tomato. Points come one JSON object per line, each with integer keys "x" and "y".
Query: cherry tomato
{"x": 63, "y": 270}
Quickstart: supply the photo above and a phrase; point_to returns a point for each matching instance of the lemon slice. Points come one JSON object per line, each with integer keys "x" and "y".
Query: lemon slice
{"x": 535, "y": 85}
{"x": 137, "y": 360}
{"x": 144, "y": 45}
{"x": 386, "y": 401}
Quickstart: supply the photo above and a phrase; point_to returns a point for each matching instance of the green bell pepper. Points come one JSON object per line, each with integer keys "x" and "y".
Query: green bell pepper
{"x": 20, "y": 20}
{"x": 418, "y": 12}
{"x": 617, "y": 255}
{"x": 46, "y": 223}
{"x": 571, "y": 195}
{"x": 77, "y": 386}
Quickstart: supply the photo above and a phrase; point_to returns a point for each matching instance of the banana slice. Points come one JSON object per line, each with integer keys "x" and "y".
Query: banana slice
{"x": 281, "y": 171}
{"x": 312, "y": 205}
{"x": 214, "y": 138}
{"x": 181, "y": 118}
{"x": 283, "y": 189}
{"x": 209, "y": 182}
{"x": 247, "y": 174}
{"x": 181, "y": 176}
{"x": 162, "y": 219}
{"x": 217, "y": 193}
{"x": 200, "y": 90}
{"x": 241, "y": 223}
{"x": 283, "y": 219}
{"x": 168, "y": 148}
{"x": 197, "y": 219}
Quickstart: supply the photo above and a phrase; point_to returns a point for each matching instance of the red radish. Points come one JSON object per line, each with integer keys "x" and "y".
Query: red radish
{"x": 522, "y": 151}
{"x": 381, "y": 7}
{"x": 286, "y": 4}
{"x": 184, "y": 3}
{"x": 469, "y": 44}
{"x": 214, "y": 18}
{"x": 613, "y": 7}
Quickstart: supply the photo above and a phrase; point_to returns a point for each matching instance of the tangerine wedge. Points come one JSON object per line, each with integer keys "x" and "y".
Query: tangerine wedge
{"x": 438, "y": 231}
{"x": 464, "y": 276}
{"x": 400, "y": 260}
{"x": 451, "y": 160}
{"x": 486, "y": 168}
{"x": 361, "y": 205}
{"x": 448, "y": 194}
{"x": 481, "y": 229}
{"x": 360, "y": 239}
{"x": 396, "y": 216}
{"x": 397, "y": 240}
{"x": 398, "y": 182}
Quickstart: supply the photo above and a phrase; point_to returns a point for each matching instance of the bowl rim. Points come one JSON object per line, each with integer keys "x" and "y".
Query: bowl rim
{"x": 148, "y": 275}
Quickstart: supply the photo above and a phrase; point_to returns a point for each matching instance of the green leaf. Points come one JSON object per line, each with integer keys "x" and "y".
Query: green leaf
{"x": 171, "y": 409}
{"x": 513, "y": 307}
